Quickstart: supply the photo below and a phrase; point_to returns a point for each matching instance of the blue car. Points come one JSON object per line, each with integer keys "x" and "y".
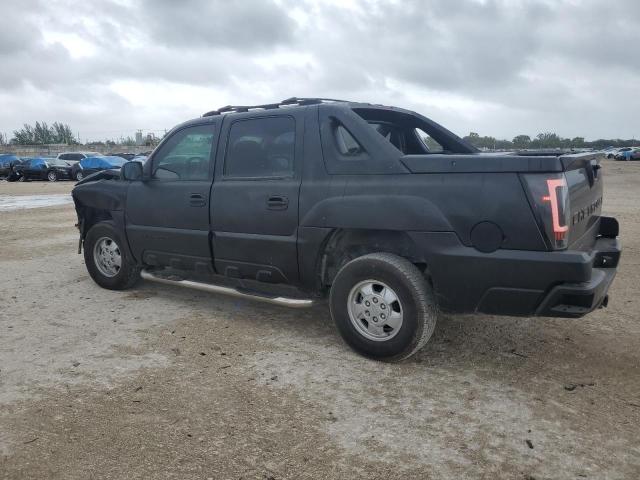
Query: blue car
{"x": 7, "y": 161}
{"x": 631, "y": 153}
{"x": 90, "y": 165}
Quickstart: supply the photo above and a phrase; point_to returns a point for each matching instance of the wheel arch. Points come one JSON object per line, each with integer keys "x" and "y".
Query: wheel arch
{"x": 344, "y": 245}
{"x": 90, "y": 216}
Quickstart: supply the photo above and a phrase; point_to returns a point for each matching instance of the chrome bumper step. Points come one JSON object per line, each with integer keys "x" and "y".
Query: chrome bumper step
{"x": 234, "y": 292}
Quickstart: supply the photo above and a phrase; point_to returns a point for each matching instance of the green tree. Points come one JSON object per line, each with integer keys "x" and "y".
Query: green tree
{"x": 521, "y": 141}
{"x": 62, "y": 133}
{"x": 577, "y": 142}
{"x": 41, "y": 134}
{"x": 547, "y": 140}
{"x": 24, "y": 136}
{"x": 127, "y": 141}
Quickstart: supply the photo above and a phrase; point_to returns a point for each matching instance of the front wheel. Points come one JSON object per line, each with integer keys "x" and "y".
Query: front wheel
{"x": 107, "y": 260}
{"x": 79, "y": 176}
{"x": 22, "y": 178}
{"x": 383, "y": 307}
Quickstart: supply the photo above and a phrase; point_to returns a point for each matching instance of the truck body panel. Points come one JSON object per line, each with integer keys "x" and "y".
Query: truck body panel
{"x": 501, "y": 234}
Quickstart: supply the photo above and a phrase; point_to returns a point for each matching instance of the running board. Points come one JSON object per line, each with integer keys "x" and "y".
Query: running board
{"x": 211, "y": 288}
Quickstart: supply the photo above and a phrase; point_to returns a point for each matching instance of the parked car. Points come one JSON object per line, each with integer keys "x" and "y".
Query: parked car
{"x": 90, "y": 165}
{"x": 613, "y": 153}
{"x": 42, "y": 168}
{"x": 294, "y": 201}
{"x": 6, "y": 162}
{"x": 630, "y": 154}
{"x": 75, "y": 157}
{"x": 126, "y": 156}
{"x": 12, "y": 174}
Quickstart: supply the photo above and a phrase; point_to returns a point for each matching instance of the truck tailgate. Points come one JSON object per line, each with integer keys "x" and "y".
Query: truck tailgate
{"x": 584, "y": 180}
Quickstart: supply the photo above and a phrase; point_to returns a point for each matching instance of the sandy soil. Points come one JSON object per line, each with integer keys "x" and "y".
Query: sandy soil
{"x": 161, "y": 382}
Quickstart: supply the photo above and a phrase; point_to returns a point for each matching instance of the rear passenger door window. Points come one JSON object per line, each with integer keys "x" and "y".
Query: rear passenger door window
{"x": 261, "y": 148}
{"x": 345, "y": 142}
{"x": 186, "y": 155}
{"x": 428, "y": 141}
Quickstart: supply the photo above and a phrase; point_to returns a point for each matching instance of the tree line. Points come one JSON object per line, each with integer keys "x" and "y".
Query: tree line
{"x": 61, "y": 133}
{"x": 544, "y": 140}
{"x": 43, "y": 134}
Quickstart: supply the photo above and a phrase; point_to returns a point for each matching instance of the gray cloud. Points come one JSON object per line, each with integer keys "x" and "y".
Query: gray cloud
{"x": 497, "y": 67}
{"x": 248, "y": 24}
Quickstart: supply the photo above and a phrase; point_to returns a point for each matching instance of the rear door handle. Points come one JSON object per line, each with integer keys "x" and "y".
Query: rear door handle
{"x": 197, "y": 200}
{"x": 277, "y": 202}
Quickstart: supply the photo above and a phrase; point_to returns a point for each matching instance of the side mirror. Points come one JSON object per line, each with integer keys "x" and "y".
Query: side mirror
{"x": 131, "y": 171}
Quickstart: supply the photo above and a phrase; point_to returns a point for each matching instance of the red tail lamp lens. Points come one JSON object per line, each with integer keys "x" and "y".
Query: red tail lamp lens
{"x": 559, "y": 231}
{"x": 549, "y": 196}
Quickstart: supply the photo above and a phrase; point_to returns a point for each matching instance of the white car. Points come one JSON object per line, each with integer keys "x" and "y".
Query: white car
{"x": 75, "y": 157}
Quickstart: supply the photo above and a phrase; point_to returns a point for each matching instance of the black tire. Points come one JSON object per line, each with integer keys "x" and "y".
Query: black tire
{"x": 419, "y": 310}
{"x": 22, "y": 178}
{"x": 52, "y": 176}
{"x": 128, "y": 273}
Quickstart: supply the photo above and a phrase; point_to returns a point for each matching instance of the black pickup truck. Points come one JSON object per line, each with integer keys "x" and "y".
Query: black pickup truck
{"x": 384, "y": 211}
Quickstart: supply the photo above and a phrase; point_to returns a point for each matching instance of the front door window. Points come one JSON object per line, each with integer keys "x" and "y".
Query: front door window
{"x": 186, "y": 155}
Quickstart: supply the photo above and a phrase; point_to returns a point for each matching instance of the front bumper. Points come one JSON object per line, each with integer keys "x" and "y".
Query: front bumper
{"x": 569, "y": 283}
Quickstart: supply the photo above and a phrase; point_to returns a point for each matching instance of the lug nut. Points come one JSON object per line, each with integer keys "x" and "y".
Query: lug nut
{"x": 383, "y": 306}
{"x": 367, "y": 303}
{"x": 375, "y": 300}
{"x": 383, "y": 316}
{"x": 375, "y": 319}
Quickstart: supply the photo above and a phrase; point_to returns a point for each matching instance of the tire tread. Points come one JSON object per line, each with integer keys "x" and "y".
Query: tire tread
{"x": 425, "y": 301}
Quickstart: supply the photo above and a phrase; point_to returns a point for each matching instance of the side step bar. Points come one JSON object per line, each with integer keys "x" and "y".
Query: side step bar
{"x": 211, "y": 288}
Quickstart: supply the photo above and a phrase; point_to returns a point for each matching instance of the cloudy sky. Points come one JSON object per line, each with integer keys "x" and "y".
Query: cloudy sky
{"x": 499, "y": 68}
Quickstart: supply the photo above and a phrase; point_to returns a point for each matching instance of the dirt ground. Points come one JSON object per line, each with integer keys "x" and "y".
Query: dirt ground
{"x": 161, "y": 382}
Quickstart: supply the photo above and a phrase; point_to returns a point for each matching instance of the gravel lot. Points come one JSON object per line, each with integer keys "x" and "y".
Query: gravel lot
{"x": 161, "y": 382}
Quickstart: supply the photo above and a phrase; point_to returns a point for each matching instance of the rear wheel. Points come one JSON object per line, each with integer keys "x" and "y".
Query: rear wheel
{"x": 383, "y": 306}
{"x": 52, "y": 176}
{"x": 107, "y": 260}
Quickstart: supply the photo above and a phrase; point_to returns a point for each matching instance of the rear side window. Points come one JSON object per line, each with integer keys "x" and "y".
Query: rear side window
{"x": 345, "y": 142}
{"x": 393, "y": 134}
{"x": 185, "y": 155}
{"x": 428, "y": 141}
{"x": 261, "y": 147}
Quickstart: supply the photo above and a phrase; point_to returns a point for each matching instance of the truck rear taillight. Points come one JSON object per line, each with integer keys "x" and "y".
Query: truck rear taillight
{"x": 549, "y": 197}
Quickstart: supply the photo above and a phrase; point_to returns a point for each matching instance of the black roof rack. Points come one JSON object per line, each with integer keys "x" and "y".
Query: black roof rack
{"x": 293, "y": 101}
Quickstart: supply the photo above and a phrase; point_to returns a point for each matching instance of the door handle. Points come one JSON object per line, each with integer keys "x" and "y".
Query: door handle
{"x": 277, "y": 202}
{"x": 197, "y": 200}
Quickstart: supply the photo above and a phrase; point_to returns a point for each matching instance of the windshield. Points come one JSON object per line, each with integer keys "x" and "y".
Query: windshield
{"x": 57, "y": 162}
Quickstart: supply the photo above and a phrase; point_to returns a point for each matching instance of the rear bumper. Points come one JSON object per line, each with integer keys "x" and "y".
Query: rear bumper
{"x": 566, "y": 283}
{"x": 577, "y": 299}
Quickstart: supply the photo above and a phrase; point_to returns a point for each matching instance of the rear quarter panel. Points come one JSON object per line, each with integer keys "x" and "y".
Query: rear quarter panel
{"x": 426, "y": 203}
